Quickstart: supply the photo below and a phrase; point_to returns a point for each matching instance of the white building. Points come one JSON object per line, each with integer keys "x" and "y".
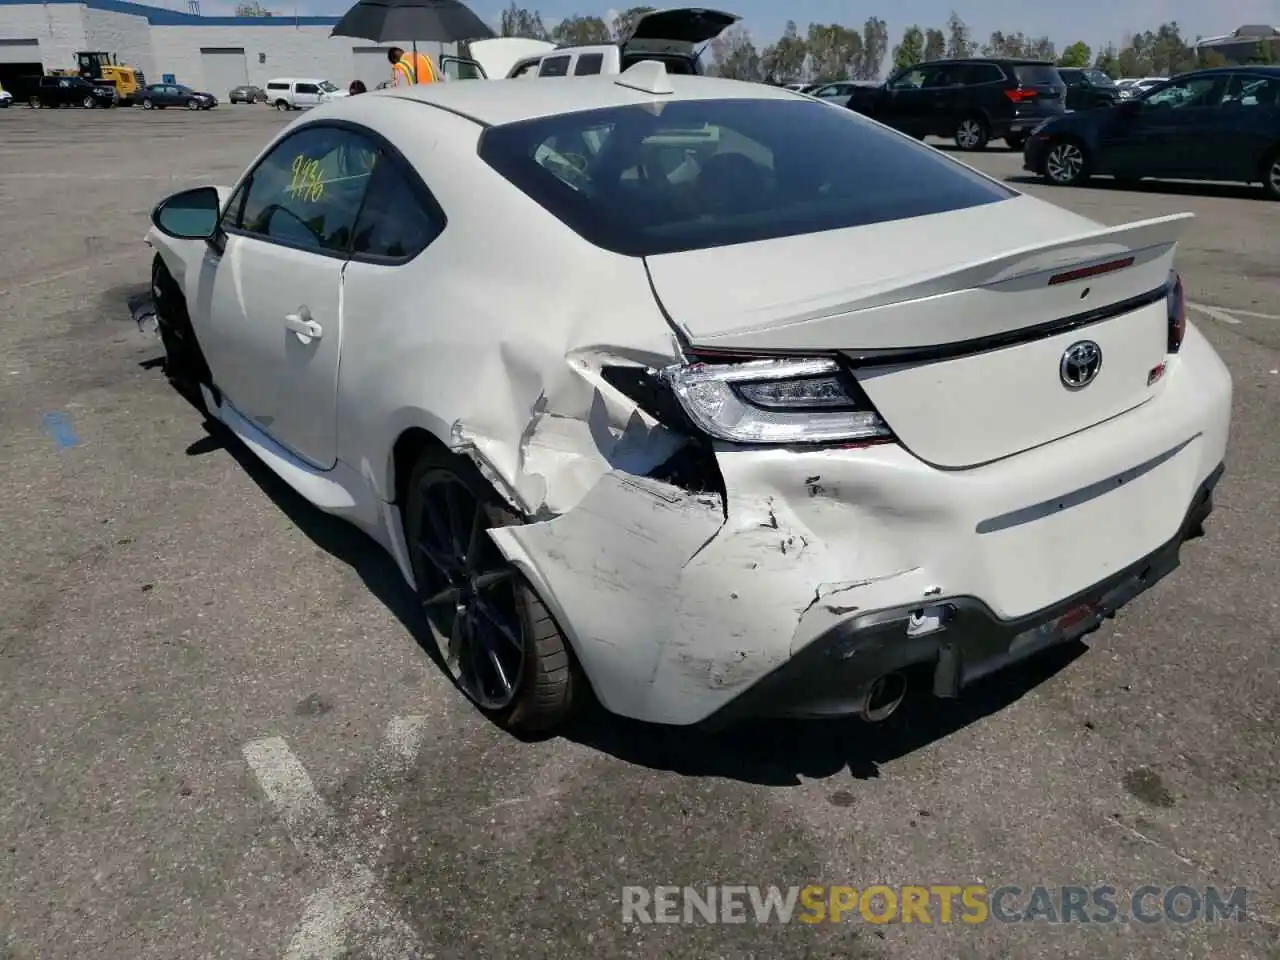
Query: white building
{"x": 206, "y": 53}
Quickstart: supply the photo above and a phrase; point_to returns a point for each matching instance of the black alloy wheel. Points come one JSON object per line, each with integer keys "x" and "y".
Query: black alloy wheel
{"x": 494, "y": 635}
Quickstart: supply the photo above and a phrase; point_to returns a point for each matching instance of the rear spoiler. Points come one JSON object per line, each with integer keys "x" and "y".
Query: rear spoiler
{"x": 1036, "y": 262}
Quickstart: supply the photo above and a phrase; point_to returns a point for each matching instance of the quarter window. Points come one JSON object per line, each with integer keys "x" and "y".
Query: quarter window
{"x": 983, "y": 73}
{"x": 1247, "y": 90}
{"x": 393, "y": 221}
{"x": 307, "y": 192}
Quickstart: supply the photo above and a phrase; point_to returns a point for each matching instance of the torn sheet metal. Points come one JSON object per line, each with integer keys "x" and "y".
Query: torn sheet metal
{"x": 680, "y": 602}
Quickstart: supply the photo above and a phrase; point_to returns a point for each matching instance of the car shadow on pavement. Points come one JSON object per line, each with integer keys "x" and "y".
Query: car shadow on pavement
{"x": 1171, "y": 188}
{"x": 779, "y": 752}
{"x": 335, "y": 536}
{"x": 772, "y": 752}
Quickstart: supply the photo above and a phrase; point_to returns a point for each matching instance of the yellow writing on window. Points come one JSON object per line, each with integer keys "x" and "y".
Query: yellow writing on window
{"x": 307, "y": 183}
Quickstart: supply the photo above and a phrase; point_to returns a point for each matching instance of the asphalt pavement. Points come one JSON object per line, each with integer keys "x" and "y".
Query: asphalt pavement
{"x": 221, "y": 737}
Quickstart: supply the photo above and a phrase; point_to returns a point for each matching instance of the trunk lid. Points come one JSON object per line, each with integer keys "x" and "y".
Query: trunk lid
{"x": 957, "y": 326}
{"x": 684, "y": 25}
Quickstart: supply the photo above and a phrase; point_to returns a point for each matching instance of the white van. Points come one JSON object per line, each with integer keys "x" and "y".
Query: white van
{"x": 300, "y": 93}
{"x": 672, "y": 37}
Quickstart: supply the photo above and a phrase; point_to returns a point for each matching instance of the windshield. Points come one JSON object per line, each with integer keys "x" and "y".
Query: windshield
{"x": 328, "y": 86}
{"x": 705, "y": 173}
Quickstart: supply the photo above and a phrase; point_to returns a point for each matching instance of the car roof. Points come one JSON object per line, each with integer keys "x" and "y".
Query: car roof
{"x": 494, "y": 102}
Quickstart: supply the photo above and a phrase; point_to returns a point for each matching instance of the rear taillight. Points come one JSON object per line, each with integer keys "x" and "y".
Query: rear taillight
{"x": 1177, "y": 303}
{"x": 1020, "y": 95}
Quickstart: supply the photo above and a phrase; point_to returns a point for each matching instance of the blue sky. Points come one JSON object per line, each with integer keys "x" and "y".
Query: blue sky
{"x": 1094, "y": 21}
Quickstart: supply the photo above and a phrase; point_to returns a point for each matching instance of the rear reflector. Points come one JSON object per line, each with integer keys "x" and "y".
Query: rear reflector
{"x": 1177, "y": 313}
{"x": 1111, "y": 266}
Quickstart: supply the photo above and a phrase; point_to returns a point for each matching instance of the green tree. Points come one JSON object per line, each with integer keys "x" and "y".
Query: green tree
{"x": 784, "y": 60}
{"x": 625, "y": 22}
{"x": 1041, "y": 48}
{"x": 875, "y": 44}
{"x": 579, "y": 31}
{"x": 1108, "y": 62}
{"x": 959, "y": 40}
{"x": 911, "y": 50}
{"x": 1077, "y": 55}
{"x": 734, "y": 55}
{"x": 519, "y": 22}
{"x": 1263, "y": 53}
{"x": 835, "y": 52}
{"x": 1212, "y": 58}
{"x": 935, "y": 44}
{"x": 252, "y": 9}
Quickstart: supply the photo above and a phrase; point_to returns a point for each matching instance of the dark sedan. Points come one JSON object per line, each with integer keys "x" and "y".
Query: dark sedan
{"x": 1220, "y": 124}
{"x": 161, "y": 95}
{"x": 248, "y": 94}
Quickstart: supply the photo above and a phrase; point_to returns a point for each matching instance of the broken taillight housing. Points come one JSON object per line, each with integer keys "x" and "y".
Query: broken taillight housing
{"x": 776, "y": 400}
{"x": 1177, "y": 304}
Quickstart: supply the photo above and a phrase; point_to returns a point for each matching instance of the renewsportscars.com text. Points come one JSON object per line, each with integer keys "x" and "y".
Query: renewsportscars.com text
{"x": 932, "y": 904}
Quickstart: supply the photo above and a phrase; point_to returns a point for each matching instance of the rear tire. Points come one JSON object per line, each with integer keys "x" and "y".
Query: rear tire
{"x": 33, "y": 103}
{"x": 184, "y": 362}
{"x": 1271, "y": 175}
{"x": 148, "y": 105}
{"x": 972, "y": 134}
{"x": 495, "y": 636}
{"x": 1066, "y": 164}
{"x": 282, "y": 105}
{"x": 89, "y": 103}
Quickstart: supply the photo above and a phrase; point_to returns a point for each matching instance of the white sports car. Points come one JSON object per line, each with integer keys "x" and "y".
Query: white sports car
{"x": 697, "y": 394}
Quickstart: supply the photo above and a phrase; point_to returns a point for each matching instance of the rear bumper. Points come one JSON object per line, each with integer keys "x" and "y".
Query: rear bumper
{"x": 833, "y": 676}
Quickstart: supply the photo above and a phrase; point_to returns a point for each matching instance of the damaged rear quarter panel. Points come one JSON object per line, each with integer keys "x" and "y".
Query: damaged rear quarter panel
{"x": 676, "y": 604}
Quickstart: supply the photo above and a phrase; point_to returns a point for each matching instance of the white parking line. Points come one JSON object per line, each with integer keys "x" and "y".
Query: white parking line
{"x": 349, "y": 904}
{"x": 1214, "y": 313}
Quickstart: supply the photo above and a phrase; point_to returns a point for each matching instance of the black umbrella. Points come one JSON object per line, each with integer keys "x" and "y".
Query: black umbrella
{"x": 441, "y": 21}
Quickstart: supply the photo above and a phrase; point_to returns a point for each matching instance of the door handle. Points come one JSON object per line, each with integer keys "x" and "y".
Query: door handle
{"x": 302, "y": 324}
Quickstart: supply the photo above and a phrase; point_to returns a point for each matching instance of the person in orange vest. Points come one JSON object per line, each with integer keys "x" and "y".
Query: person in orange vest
{"x": 405, "y": 72}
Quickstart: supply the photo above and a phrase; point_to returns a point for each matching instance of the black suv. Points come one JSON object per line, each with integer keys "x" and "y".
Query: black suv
{"x": 973, "y": 101}
{"x": 1088, "y": 89}
{"x": 68, "y": 92}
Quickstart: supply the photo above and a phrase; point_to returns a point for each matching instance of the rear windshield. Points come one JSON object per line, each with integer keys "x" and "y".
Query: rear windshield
{"x": 693, "y": 174}
{"x": 1037, "y": 75}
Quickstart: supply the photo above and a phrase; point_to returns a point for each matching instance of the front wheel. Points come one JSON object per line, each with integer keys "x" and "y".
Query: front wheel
{"x": 193, "y": 104}
{"x": 1271, "y": 175}
{"x": 184, "y": 362}
{"x": 1065, "y": 164}
{"x": 89, "y": 103}
{"x": 495, "y": 636}
{"x": 972, "y": 134}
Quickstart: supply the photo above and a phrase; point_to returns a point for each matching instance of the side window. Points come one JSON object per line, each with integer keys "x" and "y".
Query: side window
{"x": 948, "y": 75}
{"x": 554, "y": 67}
{"x": 1250, "y": 90}
{"x": 394, "y": 222}
{"x": 307, "y": 88}
{"x": 979, "y": 73}
{"x": 525, "y": 69}
{"x": 307, "y": 191}
{"x": 588, "y": 64}
{"x": 1191, "y": 92}
{"x": 912, "y": 79}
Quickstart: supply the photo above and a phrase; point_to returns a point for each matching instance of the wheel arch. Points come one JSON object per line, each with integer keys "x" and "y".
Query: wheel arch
{"x": 1268, "y": 157}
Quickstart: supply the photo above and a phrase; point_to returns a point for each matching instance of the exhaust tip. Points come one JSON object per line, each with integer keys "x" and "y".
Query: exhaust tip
{"x": 884, "y": 698}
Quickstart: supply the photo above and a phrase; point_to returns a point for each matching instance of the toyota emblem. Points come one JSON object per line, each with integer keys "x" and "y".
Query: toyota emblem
{"x": 1080, "y": 364}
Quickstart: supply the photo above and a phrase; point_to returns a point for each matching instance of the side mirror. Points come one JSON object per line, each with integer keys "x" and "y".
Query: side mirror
{"x": 189, "y": 215}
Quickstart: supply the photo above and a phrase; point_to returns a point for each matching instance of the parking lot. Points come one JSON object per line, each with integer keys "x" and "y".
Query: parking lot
{"x": 222, "y": 737}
